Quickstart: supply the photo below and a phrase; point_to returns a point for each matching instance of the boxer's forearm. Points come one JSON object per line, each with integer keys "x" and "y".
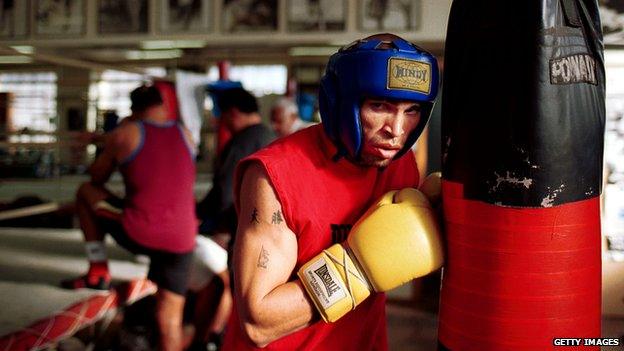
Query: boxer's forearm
{"x": 286, "y": 309}
{"x": 101, "y": 169}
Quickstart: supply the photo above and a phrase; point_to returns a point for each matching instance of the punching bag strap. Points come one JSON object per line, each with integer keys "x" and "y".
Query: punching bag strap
{"x": 571, "y": 13}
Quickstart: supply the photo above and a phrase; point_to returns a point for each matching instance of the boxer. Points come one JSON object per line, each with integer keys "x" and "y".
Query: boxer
{"x": 155, "y": 156}
{"x": 308, "y": 256}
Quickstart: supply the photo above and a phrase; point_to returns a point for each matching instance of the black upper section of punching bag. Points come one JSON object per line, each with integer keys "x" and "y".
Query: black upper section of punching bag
{"x": 523, "y": 102}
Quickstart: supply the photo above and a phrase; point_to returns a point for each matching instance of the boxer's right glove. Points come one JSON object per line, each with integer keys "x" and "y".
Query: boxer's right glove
{"x": 395, "y": 241}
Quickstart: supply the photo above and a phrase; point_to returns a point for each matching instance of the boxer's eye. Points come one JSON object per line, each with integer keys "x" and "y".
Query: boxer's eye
{"x": 378, "y": 106}
{"x": 413, "y": 110}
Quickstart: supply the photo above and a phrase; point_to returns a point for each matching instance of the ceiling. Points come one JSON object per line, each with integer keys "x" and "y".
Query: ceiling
{"x": 85, "y": 46}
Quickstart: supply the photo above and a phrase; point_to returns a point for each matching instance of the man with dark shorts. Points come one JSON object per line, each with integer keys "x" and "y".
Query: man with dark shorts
{"x": 156, "y": 218}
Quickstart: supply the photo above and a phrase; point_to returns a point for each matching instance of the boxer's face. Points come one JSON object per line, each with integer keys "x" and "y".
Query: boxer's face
{"x": 386, "y": 125}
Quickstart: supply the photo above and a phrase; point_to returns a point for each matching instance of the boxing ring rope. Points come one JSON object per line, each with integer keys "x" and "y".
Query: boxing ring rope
{"x": 29, "y": 211}
{"x": 50, "y": 330}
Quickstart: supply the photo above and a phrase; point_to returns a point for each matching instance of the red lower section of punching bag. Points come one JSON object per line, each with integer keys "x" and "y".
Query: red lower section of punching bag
{"x": 516, "y": 278}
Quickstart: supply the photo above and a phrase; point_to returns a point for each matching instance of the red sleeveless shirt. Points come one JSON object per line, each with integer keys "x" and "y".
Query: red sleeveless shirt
{"x": 159, "y": 208}
{"x": 321, "y": 199}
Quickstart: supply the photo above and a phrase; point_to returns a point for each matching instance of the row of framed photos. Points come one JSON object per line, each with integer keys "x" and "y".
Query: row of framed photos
{"x": 67, "y": 18}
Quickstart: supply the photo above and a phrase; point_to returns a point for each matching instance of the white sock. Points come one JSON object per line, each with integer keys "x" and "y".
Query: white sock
{"x": 96, "y": 251}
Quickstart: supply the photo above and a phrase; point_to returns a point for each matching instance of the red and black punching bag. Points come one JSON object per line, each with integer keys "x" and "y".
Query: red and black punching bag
{"x": 523, "y": 120}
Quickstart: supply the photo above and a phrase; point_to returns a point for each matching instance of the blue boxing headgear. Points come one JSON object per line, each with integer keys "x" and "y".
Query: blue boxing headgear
{"x": 374, "y": 68}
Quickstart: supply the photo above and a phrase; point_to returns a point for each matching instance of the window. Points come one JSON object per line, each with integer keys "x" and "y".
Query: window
{"x": 33, "y": 102}
{"x": 258, "y": 79}
{"x": 112, "y": 91}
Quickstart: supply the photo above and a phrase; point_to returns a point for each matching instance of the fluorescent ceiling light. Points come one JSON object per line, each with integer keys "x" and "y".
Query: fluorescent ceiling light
{"x": 172, "y": 44}
{"x": 312, "y": 51}
{"x": 15, "y": 59}
{"x": 24, "y": 49}
{"x": 153, "y": 54}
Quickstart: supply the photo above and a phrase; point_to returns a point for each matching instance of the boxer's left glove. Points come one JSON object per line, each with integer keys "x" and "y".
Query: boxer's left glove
{"x": 395, "y": 241}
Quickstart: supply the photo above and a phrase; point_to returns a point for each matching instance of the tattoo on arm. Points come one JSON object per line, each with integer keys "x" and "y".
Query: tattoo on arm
{"x": 263, "y": 258}
{"x": 254, "y": 216}
{"x": 277, "y": 217}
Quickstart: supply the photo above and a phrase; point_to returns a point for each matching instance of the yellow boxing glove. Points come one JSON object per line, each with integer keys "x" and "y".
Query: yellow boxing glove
{"x": 395, "y": 241}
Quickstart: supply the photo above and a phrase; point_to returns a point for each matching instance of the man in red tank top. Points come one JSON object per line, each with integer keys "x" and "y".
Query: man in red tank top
{"x": 304, "y": 192}
{"x": 156, "y": 158}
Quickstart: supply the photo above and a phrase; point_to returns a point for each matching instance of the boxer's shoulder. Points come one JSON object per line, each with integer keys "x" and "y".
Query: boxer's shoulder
{"x": 130, "y": 130}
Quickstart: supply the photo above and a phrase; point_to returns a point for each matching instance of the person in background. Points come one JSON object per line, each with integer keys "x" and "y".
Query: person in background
{"x": 285, "y": 118}
{"x": 156, "y": 158}
{"x": 240, "y": 114}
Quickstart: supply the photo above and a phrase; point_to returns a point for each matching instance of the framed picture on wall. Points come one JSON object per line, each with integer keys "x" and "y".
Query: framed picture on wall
{"x": 122, "y": 16}
{"x": 185, "y": 16}
{"x": 385, "y": 15}
{"x": 249, "y": 16}
{"x": 53, "y": 17}
{"x": 13, "y": 19}
{"x": 316, "y": 15}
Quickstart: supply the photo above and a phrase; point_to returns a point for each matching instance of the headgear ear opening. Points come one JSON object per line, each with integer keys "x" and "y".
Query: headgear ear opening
{"x": 392, "y": 69}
